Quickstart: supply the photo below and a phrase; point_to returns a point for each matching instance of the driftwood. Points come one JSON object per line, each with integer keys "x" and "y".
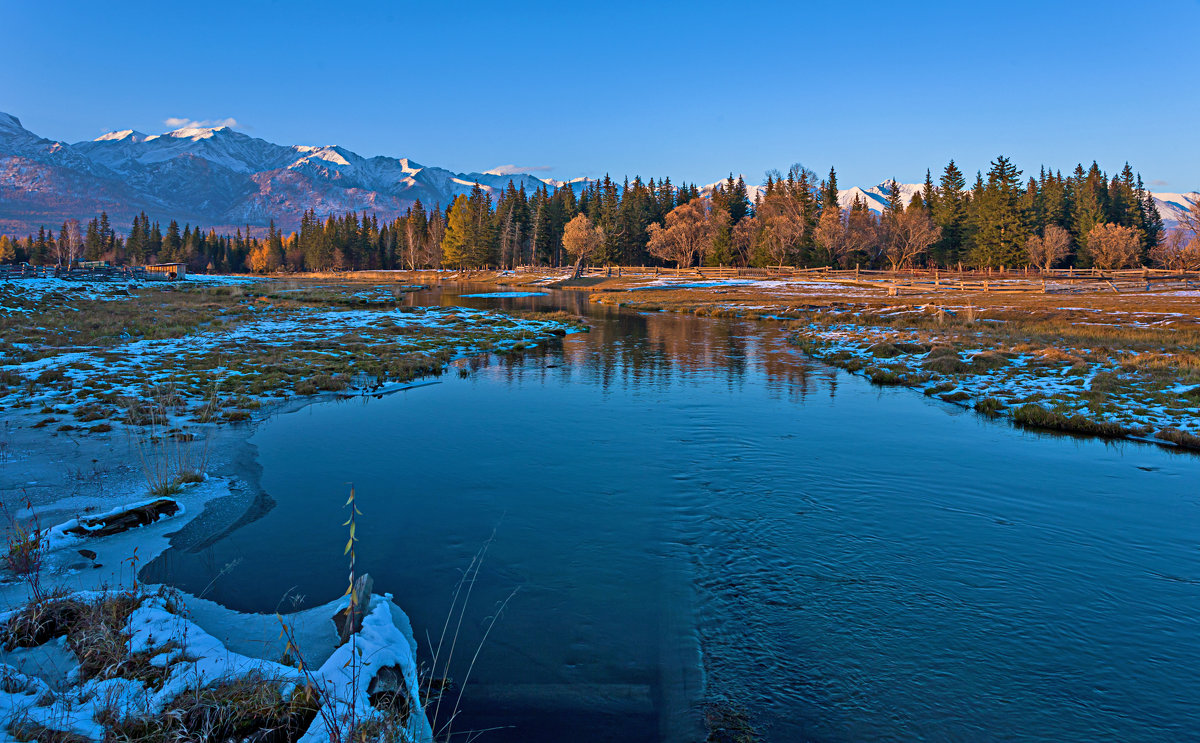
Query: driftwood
{"x": 349, "y": 620}
{"x": 105, "y": 526}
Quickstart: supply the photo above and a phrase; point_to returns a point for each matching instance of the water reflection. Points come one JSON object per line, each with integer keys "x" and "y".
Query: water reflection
{"x": 692, "y": 511}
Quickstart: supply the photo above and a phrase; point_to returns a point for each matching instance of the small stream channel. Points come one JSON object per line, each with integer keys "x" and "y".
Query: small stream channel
{"x": 690, "y": 511}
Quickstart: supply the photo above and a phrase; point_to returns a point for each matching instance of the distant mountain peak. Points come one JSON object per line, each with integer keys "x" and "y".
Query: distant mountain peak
{"x": 10, "y": 123}
{"x": 194, "y": 133}
{"x": 221, "y": 177}
{"x": 131, "y": 135}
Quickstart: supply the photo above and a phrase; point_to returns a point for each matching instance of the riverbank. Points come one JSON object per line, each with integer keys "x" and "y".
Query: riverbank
{"x": 114, "y": 395}
{"x": 1081, "y": 358}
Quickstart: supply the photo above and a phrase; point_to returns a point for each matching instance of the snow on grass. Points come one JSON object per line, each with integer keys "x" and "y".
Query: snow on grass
{"x": 266, "y": 351}
{"x": 24, "y": 295}
{"x": 163, "y": 652}
{"x": 1069, "y": 381}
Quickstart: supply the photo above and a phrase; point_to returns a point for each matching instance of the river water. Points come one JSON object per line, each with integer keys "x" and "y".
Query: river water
{"x": 680, "y": 511}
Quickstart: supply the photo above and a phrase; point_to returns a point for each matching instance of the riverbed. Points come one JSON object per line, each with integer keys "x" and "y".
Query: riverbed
{"x": 679, "y": 511}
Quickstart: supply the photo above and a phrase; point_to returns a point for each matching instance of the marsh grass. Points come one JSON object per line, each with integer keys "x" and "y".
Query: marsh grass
{"x": 1035, "y": 416}
{"x": 25, "y": 548}
{"x": 254, "y": 707}
{"x": 989, "y": 406}
{"x": 1180, "y": 438}
{"x": 169, "y": 458}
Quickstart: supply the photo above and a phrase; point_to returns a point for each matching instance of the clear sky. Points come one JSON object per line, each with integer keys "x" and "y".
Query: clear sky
{"x": 693, "y": 90}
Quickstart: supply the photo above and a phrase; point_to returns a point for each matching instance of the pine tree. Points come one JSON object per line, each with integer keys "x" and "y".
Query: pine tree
{"x": 1001, "y": 223}
{"x": 928, "y": 193}
{"x": 829, "y": 191}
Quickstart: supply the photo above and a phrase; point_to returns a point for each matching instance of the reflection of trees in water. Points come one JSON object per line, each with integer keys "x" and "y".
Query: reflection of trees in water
{"x": 652, "y": 350}
{"x": 661, "y": 349}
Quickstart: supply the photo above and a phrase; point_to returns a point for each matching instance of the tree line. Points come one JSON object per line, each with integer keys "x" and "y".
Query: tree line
{"x": 1083, "y": 219}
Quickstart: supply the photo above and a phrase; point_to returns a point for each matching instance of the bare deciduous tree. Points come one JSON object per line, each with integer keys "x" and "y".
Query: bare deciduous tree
{"x": 1051, "y": 247}
{"x": 1114, "y": 246}
{"x": 784, "y": 226}
{"x": 830, "y": 235}
{"x": 863, "y": 235}
{"x": 580, "y": 239}
{"x": 69, "y": 244}
{"x": 743, "y": 238}
{"x": 909, "y": 235}
{"x": 432, "y": 253}
{"x": 414, "y": 237}
{"x": 686, "y": 233}
{"x": 1190, "y": 220}
{"x": 1179, "y": 250}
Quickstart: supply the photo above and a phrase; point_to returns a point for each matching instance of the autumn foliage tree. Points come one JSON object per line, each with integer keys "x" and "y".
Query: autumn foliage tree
{"x": 686, "y": 232}
{"x": 909, "y": 235}
{"x": 1113, "y": 246}
{"x": 581, "y": 239}
{"x": 1052, "y": 246}
{"x": 830, "y": 235}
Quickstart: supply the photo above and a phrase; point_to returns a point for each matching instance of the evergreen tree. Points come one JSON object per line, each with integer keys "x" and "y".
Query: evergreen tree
{"x": 1001, "y": 224}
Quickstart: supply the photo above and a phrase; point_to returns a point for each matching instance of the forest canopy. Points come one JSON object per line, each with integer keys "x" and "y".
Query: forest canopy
{"x": 797, "y": 218}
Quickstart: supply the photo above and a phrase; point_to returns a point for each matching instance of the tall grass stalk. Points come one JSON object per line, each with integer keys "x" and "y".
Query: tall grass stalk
{"x": 169, "y": 458}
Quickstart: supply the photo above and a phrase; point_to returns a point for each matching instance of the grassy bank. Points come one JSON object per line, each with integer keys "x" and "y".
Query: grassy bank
{"x": 86, "y": 359}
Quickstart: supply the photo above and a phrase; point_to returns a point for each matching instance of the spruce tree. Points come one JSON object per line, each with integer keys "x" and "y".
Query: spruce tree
{"x": 949, "y": 213}
{"x": 1001, "y": 224}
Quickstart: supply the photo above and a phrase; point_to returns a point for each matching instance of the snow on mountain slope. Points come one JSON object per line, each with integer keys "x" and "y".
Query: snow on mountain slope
{"x": 876, "y": 197}
{"x": 221, "y": 177}
{"x": 121, "y": 151}
{"x": 1172, "y": 206}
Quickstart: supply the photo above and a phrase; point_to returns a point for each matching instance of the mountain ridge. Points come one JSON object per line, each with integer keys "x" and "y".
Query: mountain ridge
{"x": 220, "y": 177}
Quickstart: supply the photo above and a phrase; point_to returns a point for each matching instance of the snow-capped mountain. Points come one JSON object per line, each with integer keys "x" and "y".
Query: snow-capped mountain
{"x": 214, "y": 176}
{"x": 223, "y": 178}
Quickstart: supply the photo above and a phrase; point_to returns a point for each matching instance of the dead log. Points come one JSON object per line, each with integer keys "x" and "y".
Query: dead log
{"x": 115, "y": 523}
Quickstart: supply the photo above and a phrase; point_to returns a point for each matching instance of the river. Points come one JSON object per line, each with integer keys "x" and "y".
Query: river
{"x": 681, "y": 510}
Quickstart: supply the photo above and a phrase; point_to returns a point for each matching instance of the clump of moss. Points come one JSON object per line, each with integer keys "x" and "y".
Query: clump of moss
{"x": 729, "y": 724}
{"x": 330, "y": 383}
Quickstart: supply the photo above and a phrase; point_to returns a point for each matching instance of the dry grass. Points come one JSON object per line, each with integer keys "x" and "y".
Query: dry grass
{"x": 1038, "y": 417}
{"x": 1181, "y": 439}
{"x": 253, "y": 707}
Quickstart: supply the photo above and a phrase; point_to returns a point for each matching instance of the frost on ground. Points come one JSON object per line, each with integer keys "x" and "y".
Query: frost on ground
{"x": 1087, "y": 386}
{"x": 86, "y": 359}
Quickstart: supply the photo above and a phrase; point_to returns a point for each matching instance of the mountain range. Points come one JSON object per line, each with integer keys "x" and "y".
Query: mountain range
{"x": 223, "y": 178}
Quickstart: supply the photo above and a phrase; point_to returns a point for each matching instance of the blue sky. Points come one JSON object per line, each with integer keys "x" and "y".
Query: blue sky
{"x": 691, "y": 90}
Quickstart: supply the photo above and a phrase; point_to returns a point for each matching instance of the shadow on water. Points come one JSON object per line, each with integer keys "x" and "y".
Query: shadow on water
{"x": 689, "y": 510}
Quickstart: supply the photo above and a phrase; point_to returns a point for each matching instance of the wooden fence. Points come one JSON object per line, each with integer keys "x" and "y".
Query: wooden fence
{"x": 75, "y": 273}
{"x": 1024, "y": 280}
